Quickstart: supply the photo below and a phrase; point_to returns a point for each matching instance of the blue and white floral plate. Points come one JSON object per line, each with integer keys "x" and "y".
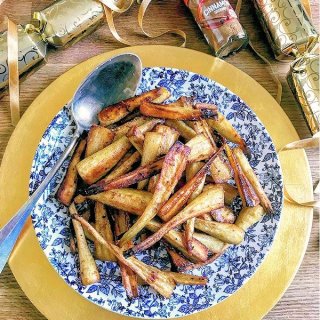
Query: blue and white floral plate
{"x": 226, "y": 275}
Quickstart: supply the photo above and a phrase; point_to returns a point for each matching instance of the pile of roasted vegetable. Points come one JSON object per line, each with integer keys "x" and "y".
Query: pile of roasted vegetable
{"x": 169, "y": 165}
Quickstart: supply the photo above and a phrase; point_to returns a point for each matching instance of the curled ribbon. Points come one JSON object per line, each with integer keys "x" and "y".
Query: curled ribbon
{"x": 13, "y": 71}
{"x": 310, "y": 143}
{"x": 110, "y": 7}
{"x": 273, "y": 74}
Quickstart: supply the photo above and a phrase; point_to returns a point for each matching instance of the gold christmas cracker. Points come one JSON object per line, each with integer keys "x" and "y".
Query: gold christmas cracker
{"x": 303, "y": 80}
{"x": 32, "y": 50}
{"x": 287, "y": 26}
{"x": 68, "y": 21}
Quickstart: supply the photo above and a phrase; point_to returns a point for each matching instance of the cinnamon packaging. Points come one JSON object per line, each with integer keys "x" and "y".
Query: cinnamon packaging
{"x": 219, "y": 24}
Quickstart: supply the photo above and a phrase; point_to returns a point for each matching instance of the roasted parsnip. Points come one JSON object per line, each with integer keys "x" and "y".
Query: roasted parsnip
{"x": 100, "y": 163}
{"x": 213, "y": 244}
{"x": 126, "y": 180}
{"x": 226, "y": 129}
{"x": 88, "y": 270}
{"x": 103, "y": 226}
{"x": 136, "y": 134}
{"x": 121, "y": 223}
{"x": 207, "y": 201}
{"x": 187, "y": 279}
{"x": 68, "y": 186}
{"x": 226, "y": 232}
{"x": 248, "y": 216}
{"x": 191, "y": 171}
{"x": 230, "y": 193}
{"x": 201, "y": 148}
{"x": 174, "y": 165}
{"x": 179, "y": 199}
{"x": 253, "y": 179}
{"x": 122, "y": 130}
{"x": 153, "y": 182}
{"x": 175, "y": 112}
{"x": 123, "y": 167}
{"x": 118, "y": 111}
{"x": 176, "y": 239}
{"x": 176, "y": 259}
{"x": 130, "y": 200}
{"x": 151, "y": 150}
{"x": 98, "y": 138}
{"x": 185, "y": 131}
{"x": 224, "y": 215}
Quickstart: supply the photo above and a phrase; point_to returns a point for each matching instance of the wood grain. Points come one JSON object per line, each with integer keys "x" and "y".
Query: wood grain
{"x": 301, "y": 299}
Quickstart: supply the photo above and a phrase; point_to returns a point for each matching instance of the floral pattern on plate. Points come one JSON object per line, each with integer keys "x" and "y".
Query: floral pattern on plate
{"x": 226, "y": 275}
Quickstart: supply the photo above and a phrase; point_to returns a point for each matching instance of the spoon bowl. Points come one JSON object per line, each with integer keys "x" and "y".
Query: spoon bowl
{"x": 112, "y": 81}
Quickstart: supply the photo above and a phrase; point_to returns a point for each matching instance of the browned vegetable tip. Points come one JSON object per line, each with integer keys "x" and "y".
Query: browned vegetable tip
{"x": 185, "y": 131}
{"x": 153, "y": 182}
{"x": 136, "y": 134}
{"x": 207, "y": 110}
{"x": 68, "y": 186}
{"x": 206, "y": 217}
{"x": 220, "y": 169}
{"x": 176, "y": 259}
{"x": 191, "y": 171}
{"x": 225, "y": 128}
{"x": 253, "y": 179}
{"x": 156, "y": 278}
{"x": 230, "y": 193}
{"x": 118, "y": 111}
{"x": 103, "y": 226}
{"x": 129, "y": 280}
{"x": 121, "y": 223}
{"x": 73, "y": 247}
{"x": 177, "y": 111}
{"x": 124, "y": 128}
{"x": 176, "y": 239}
{"x": 170, "y": 136}
{"x": 98, "y": 138}
{"x": 88, "y": 270}
{"x": 123, "y": 168}
{"x": 236, "y": 174}
{"x": 161, "y": 281}
{"x": 180, "y": 198}
{"x": 207, "y": 201}
{"x": 100, "y": 163}
{"x": 188, "y": 279}
{"x": 151, "y": 151}
{"x": 225, "y": 232}
{"x": 249, "y": 216}
{"x": 126, "y": 199}
{"x": 213, "y": 244}
{"x": 201, "y": 148}
{"x": 224, "y": 214}
{"x": 210, "y": 260}
{"x": 173, "y": 166}
{"x": 252, "y": 199}
{"x": 126, "y": 180}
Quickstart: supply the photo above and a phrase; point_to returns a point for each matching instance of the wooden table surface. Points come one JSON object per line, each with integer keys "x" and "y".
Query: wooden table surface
{"x": 301, "y": 299}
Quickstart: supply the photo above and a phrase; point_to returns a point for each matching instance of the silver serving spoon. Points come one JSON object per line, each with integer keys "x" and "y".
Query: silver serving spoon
{"x": 111, "y": 82}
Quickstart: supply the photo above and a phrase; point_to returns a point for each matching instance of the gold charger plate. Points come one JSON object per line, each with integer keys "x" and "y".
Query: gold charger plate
{"x": 48, "y": 291}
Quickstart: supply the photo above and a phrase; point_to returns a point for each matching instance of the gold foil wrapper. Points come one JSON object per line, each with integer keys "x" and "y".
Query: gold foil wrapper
{"x": 32, "y": 51}
{"x": 68, "y": 21}
{"x": 287, "y": 26}
{"x": 303, "y": 80}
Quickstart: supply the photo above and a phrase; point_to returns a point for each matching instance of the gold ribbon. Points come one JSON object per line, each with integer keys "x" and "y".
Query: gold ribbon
{"x": 310, "y": 143}
{"x": 273, "y": 74}
{"x": 13, "y": 55}
{"x": 110, "y": 7}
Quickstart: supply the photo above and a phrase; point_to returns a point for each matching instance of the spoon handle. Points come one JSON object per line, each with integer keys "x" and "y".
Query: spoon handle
{"x": 10, "y": 232}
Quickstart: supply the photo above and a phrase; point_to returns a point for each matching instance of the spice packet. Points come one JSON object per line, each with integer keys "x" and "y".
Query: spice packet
{"x": 287, "y": 27}
{"x": 219, "y": 24}
{"x": 32, "y": 51}
{"x": 303, "y": 79}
